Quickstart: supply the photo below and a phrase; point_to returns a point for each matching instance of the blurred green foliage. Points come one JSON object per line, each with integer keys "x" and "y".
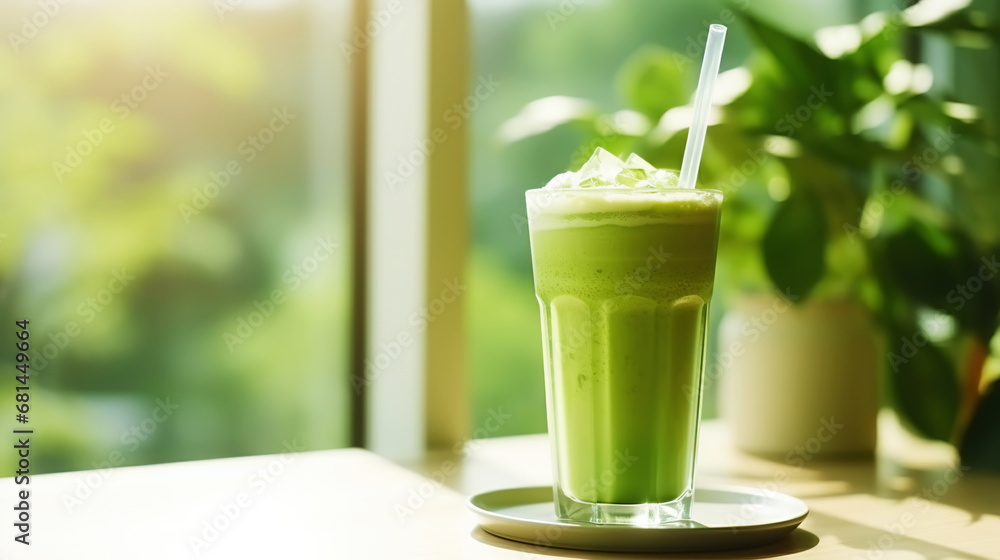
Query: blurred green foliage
{"x": 856, "y": 161}
{"x": 105, "y": 356}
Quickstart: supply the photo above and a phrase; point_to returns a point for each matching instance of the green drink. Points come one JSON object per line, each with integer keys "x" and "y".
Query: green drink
{"x": 623, "y": 264}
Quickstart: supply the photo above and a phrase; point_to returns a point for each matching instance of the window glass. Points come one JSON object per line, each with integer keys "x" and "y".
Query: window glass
{"x": 175, "y": 226}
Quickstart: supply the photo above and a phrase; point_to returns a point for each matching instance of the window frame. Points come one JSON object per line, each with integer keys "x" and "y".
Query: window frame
{"x": 410, "y": 228}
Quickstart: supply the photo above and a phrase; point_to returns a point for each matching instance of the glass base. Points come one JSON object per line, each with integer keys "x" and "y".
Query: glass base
{"x": 642, "y": 515}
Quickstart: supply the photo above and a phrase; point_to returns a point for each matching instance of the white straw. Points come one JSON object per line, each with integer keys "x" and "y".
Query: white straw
{"x": 702, "y": 105}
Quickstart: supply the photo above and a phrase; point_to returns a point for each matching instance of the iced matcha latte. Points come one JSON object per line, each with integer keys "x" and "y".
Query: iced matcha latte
{"x": 623, "y": 262}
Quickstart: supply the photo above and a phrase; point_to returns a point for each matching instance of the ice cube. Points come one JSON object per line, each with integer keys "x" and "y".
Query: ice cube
{"x": 629, "y": 177}
{"x": 664, "y": 179}
{"x": 636, "y": 162}
{"x": 595, "y": 182}
{"x": 601, "y": 164}
{"x": 565, "y": 180}
{"x": 604, "y": 170}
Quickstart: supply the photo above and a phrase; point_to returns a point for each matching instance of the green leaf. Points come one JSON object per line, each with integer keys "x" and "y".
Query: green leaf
{"x": 923, "y": 260}
{"x": 928, "y": 111}
{"x": 922, "y": 383}
{"x": 981, "y": 445}
{"x": 795, "y": 244}
{"x": 803, "y": 63}
{"x": 542, "y": 115}
{"x": 959, "y": 20}
{"x": 940, "y": 268}
{"x": 652, "y": 81}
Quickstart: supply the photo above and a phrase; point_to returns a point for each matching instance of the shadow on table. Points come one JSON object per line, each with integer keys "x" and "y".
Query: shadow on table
{"x": 873, "y": 542}
{"x": 974, "y": 492}
{"x": 798, "y": 541}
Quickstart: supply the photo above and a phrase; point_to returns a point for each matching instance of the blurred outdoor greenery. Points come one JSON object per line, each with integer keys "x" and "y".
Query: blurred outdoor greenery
{"x": 856, "y": 150}
{"x": 125, "y": 203}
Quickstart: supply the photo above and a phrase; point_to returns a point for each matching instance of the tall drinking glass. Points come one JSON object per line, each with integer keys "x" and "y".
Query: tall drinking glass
{"x": 623, "y": 276}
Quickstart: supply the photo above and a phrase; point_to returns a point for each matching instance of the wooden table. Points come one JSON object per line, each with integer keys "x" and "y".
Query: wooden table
{"x": 355, "y": 505}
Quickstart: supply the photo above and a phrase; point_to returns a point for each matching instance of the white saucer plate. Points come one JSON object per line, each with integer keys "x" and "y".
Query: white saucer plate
{"x": 724, "y": 518}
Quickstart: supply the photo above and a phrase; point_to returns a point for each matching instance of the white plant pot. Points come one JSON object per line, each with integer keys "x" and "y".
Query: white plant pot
{"x": 799, "y": 380}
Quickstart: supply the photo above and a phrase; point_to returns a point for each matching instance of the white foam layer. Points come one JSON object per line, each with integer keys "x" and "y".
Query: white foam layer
{"x": 560, "y": 208}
